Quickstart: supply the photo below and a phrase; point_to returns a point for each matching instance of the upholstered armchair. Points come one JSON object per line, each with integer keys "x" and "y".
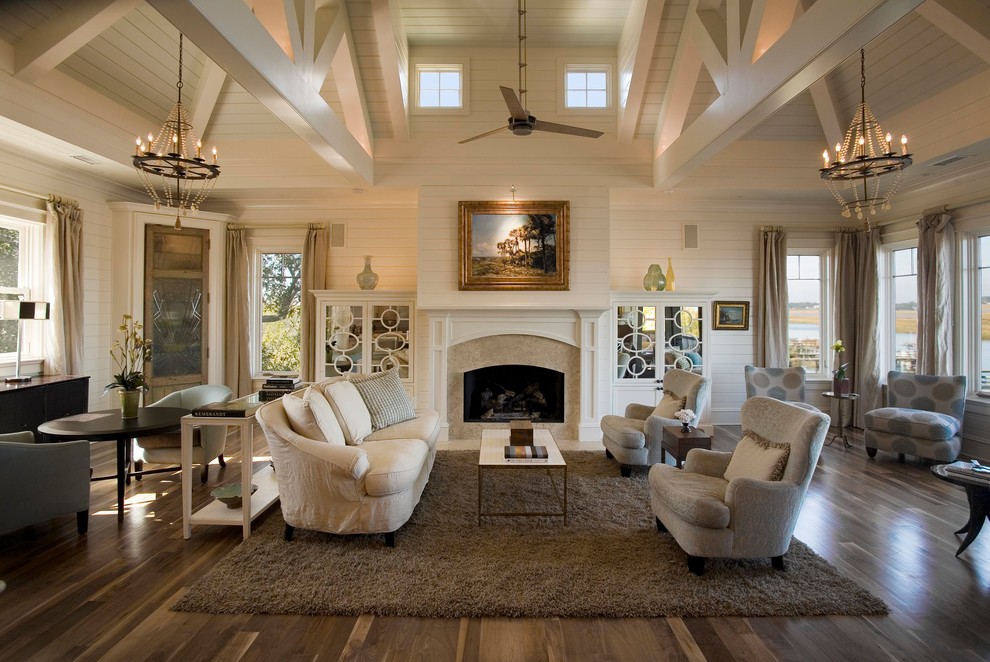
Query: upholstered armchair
{"x": 779, "y": 383}
{"x": 743, "y": 504}
{"x": 923, "y": 417}
{"x": 634, "y": 439}
{"x": 41, "y": 481}
{"x": 208, "y": 441}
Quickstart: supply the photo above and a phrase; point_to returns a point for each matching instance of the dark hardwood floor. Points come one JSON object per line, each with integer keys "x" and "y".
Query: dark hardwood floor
{"x": 106, "y": 595}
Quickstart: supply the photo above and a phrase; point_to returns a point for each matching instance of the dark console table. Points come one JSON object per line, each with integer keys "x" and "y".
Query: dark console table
{"x": 27, "y": 405}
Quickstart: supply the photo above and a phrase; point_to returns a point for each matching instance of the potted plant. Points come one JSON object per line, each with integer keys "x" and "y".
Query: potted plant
{"x": 840, "y": 382}
{"x": 129, "y": 356}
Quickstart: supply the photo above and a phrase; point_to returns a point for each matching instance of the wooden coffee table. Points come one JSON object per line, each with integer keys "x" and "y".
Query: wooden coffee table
{"x": 677, "y": 442}
{"x": 492, "y": 456}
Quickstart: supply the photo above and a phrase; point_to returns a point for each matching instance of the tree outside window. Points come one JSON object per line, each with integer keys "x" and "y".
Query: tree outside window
{"x": 10, "y": 245}
{"x": 281, "y": 307}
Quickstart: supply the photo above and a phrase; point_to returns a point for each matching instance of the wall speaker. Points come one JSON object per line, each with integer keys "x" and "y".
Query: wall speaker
{"x": 690, "y": 236}
{"x": 337, "y": 235}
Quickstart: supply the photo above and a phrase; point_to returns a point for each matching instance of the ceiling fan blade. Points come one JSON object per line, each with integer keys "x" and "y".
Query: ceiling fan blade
{"x": 540, "y": 125}
{"x": 512, "y": 101}
{"x": 482, "y": 135}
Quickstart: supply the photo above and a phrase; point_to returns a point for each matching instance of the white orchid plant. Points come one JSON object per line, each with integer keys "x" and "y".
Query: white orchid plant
{"x": 685, "y": 416}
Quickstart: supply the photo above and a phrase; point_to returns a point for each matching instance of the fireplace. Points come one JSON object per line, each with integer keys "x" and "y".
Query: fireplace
{"x": 513, "y": 392}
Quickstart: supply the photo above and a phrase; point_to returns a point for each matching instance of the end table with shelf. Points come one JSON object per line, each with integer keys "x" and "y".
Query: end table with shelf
{"x": 677, "y": 441}
{"x": 841, "y": 425}
{"x": 216, "y": 512}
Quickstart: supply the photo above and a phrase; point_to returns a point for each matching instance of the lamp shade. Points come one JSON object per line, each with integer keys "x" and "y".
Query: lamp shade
{"x": 24, "y": 310}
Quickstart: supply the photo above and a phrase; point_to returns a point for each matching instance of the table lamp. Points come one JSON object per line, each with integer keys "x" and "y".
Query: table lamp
{"x": 20, "y": 311}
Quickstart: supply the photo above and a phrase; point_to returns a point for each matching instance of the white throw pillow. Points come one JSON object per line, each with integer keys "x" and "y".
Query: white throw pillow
{"x": 755, "y": 457}
{"x": 312, "y": 416}
{"x": 352, "y": 413}
{"x": 669, "y": 405}
{"x": 386, "y": 399}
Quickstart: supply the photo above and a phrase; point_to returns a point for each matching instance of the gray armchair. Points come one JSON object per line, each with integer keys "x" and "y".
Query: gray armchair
{"x": 743, "y": 516}
{"x": 39, "y": 482}
{"x": 779, "y": 383}
{"x": 634, "y": 439}
{"x": 208, "y": 441}
{"x": 923, "y": 417}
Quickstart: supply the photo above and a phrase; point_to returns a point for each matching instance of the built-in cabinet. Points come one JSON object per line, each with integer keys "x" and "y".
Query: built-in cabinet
{"x": 365, "y": 332}
{"x": 653, "y": 332}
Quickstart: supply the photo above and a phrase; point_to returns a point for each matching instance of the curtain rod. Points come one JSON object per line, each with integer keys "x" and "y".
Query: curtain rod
{"x": 44, "y": 198}
{"x": 279, "y": 226}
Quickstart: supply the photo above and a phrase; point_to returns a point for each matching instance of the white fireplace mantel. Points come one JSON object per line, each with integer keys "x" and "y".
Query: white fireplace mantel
{"x": 580, "y": 327}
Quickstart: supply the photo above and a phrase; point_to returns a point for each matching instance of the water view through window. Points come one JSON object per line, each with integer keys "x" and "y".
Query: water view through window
{"x": 804, "y": 312}
{"x": 905, "y": 285}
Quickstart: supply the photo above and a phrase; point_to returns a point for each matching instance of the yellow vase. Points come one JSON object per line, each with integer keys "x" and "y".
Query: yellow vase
{"x": 129, "y": 401}
{"x": 670, "y": 276}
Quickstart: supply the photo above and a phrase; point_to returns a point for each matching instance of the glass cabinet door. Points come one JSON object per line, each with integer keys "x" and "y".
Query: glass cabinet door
{"x": 345, "y": 330}
{"x": 390, "y": 330}
{"x": 683, "y": 347}
{"x": 636, "y": 339}
{"x": 648, "y": 346}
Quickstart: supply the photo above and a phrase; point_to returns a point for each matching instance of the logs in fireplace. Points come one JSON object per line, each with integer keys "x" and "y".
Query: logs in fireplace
{"x": 513, "y": 392}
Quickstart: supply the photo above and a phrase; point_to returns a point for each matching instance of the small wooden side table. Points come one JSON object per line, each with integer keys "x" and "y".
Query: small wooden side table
{"x": 977, "y": 493}
{"x": 678, "y": 442}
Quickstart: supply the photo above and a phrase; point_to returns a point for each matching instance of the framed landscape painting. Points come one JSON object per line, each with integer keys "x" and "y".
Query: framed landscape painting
{"x": 513, "y": 245}
{"x": 733, "y": 315}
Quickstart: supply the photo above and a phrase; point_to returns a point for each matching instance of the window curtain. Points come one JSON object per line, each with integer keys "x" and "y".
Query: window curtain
{"x": 771, "y": 335}
{"x": 314, "y": 277}
{"x": 236, "y": 351}
{"x": 936, "y": 260}
{"x": 856, "y": 279}
{"x": 63, "y": 252}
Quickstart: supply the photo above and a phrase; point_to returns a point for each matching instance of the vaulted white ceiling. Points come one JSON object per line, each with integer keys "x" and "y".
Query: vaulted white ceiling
{"x": 304, "y": 97}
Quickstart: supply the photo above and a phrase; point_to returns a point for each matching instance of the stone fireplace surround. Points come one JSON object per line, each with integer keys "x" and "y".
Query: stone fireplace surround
{"x": 563, "y": 339}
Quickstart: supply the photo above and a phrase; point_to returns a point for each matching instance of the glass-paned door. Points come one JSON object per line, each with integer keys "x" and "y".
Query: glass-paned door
{"x": 390, "y": 339}
{"x": 683, "y": 346}
{"x": 175, "y": 283}
{"x": 345, "y": 331}
{"x": 636, "y": 335}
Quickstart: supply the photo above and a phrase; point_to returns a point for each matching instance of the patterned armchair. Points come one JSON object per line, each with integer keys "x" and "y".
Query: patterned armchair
{"x": 778, "y": 383}
{"x": 923, "y": 417}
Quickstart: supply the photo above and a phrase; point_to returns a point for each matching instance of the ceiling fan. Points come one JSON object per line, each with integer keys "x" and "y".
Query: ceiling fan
{"x": 521, "y": 123}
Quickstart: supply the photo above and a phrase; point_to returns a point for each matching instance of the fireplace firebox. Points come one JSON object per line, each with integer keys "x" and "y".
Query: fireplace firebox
{"x": 513, "y": 392}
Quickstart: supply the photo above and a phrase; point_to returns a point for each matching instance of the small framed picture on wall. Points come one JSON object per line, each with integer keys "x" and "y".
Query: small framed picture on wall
{"x": 731, "y": 315}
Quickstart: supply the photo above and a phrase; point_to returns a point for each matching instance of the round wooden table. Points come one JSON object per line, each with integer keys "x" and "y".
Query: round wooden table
{"x": 978, "y": 495}
{"x": 107, "y": 425}
{"x": 841, "y": 425}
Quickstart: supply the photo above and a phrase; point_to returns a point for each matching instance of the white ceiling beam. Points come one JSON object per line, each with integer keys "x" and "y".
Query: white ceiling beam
{"x": 640, "y": 33}
{"x": 45, "y": 47}
{"x": 828, "y": 111}
{"x": 211, "y": 82}
{"x": 965, "y": 21}
{"x": 394, "y": 64}
{"x": 229, "y": 34}
{"x": 293, "y": 20}
{"x": 710, "y": 46}
{"x": 334, "y": 37}
{"x": 827, "y": 34}
{"x": 350, "y": 87}
{"x": 677, "y": 97}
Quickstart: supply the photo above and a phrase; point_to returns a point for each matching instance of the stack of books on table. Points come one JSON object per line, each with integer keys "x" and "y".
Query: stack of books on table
{"x": 973, "y": 470}
{"x": 519, "y": 453}
{"x": 275, "y": 387}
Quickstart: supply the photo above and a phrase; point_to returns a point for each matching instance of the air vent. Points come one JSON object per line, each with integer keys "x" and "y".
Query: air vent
{"x": 337, "y": 235}
{"x": 88, "y": 160}
{"x": 948, "y": 161}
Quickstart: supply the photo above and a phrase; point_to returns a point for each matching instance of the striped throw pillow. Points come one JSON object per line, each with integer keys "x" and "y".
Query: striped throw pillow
{"x": 385, "y": 398}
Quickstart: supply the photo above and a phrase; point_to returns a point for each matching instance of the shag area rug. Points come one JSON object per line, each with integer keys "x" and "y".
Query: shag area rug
{"x": 609, "y": 561}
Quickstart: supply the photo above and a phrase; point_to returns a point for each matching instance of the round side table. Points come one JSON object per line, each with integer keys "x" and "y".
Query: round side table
{"x": 977, "y": 493}
{"x": 841, "y": 426}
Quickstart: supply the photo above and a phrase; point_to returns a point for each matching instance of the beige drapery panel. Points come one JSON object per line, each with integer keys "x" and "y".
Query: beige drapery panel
{"x": 771, "y": 322}
{"x": 63, "y": 248}
{"x": 857, "y": 312}
{"x": 237, "y": 306}
{"x": 314, "y": 277}
{"x": 936, "y": 262}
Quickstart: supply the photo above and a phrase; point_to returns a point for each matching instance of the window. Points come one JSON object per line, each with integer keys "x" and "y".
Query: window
{"x": 805, "y": 323}
{"x": 983, "y": 272}
{"x": 281, "y": 305}
{"x": 904, "y": 316}
{"x": 439, "y": 86}
{"x": 586, "y": 87}
{"x": 20, "y": 255}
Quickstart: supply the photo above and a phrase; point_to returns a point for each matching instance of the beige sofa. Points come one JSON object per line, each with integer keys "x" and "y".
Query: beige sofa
{"x": 357, "y": 482}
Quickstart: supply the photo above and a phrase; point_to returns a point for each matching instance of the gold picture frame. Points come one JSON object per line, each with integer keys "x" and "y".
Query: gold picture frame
{"x": 731, "y": 315}
{"x": 517, "y": 245}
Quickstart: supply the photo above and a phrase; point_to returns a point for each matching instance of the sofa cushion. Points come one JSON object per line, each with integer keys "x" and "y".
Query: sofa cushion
{"x": 755, "y": 457}
{"x": 312, "y": 416}
{"x": 393, "y": 465}
{"x": 626, "y": 432}
{"x": 352, "y": 413}
{"x": 913, "y": 423}
{"x": 669, "y": 405}
{"x": 425, "y": 426}
{"x": 385, "y": 398}
{"x": 695, "y": 498}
